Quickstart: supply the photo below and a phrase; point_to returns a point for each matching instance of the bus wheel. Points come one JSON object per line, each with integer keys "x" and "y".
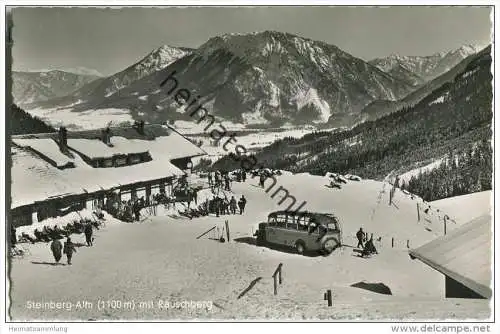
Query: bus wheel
{"x": 259, "y": 241}
{"x": 329, "y": 245}
{"x": 300, "y": 247}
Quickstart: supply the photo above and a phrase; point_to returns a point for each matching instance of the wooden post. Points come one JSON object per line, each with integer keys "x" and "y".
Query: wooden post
{"x": 392, "y": 242}
{"x": 328, "y": 296}
{"x": 277, "y": 278}
{"x": 444, "y": 225}
{"x": 227, "y": 230}
{"x": 418, "y": 213}
{"x": 407, "y": 243}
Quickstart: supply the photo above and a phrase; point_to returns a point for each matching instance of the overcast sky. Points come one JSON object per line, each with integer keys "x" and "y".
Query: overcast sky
{"x": 109, "y": 40}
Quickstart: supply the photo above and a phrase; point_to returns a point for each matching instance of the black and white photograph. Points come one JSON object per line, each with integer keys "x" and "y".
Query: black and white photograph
{"x": 251, "y": 163}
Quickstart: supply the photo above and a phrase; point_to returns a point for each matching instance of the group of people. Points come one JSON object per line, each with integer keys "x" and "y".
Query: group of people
{"x": 128, "y": 211}
{"x": 55, "y": 234}
{"x": 220, "y": 179}
{"x": 366, "y": 245}
{"x": 48, "y": 234}
{"x": 224, "y": 206}
{"x": 58, "y": 249}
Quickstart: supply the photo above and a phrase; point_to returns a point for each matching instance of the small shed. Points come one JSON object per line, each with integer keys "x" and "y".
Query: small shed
{"x": 464, "y": 257}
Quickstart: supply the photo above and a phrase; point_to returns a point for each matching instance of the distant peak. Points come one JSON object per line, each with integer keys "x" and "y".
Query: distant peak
{"x": 168, "y": 48}
{"x": 77, "y": 70}
{"x": 470, "y": 48}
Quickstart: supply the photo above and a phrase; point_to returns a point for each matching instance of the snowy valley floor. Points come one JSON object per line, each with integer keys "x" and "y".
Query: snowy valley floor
{"x": 160, "y": 259}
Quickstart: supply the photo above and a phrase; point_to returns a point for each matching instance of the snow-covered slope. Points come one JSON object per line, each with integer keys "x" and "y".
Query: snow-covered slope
{"x": 180, "y": 267}
{"x": 467, "y": 207}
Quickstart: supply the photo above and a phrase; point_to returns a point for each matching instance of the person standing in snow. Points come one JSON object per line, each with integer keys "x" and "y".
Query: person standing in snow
{"x": 227, "y": 182}
{"x": 217, "y": 179}
{"x": 226, "y": 206}
{"x": 210, "y": 181}
{"x": 242, "y": 203}
{"x": 69, "y": 249}
{"x": 88, "y": 234}
{"x": 262, "y": 179}
{"x": 361, "y": 237}
{"x": 217, "y": 205}
{"x": 56, "y": 248}
{"x": 232, "y": 205}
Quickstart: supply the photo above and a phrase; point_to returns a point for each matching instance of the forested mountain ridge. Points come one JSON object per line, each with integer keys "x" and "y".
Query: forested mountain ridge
{"x": 454, "y": 119}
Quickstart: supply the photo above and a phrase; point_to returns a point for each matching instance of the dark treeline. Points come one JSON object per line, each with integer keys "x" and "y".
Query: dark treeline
{"x": 23, "y": 123}
{"x": 466, "y": 172}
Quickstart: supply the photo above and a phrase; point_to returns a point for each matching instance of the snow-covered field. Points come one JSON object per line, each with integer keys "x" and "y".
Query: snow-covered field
{"x": 415, "y": 172}
{"x": 251, "y": 141}
{"x": 160, "y": 260}
{"x": 467, "y": 207}
{"x": 90, "y": 119}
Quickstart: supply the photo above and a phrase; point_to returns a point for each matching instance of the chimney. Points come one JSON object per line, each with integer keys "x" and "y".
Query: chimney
{"x": 106, "y": 136}
{"x": 63, "y": 138}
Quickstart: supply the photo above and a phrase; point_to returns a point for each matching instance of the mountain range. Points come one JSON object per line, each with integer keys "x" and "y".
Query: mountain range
{"x": 30, "y": 87}
{"x": 261, "y": 79}
{"x": 424, "y": 68}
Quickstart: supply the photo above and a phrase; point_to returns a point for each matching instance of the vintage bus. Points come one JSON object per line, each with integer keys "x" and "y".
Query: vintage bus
{"x": 304, "y": 231}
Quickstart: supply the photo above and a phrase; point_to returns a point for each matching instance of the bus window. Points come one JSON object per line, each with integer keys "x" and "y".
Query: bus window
{"x": 302, "y": 222}
{"x": 332, "y": 227}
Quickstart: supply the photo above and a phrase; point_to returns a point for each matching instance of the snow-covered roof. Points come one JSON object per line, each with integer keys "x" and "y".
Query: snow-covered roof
{"x": 95, "y": 148}
{"x": 36, "y": 179}
{"x": 464, "y": 255}
{"x": 46, "y": 147}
